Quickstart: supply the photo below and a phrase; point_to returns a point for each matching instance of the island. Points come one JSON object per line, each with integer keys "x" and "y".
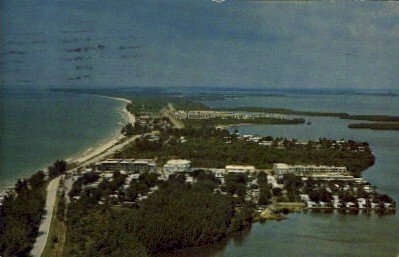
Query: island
{"x": 375, "y": 126}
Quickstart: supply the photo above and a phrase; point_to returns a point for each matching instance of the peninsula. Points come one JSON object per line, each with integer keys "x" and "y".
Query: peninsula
{"x": 178, "y": 178}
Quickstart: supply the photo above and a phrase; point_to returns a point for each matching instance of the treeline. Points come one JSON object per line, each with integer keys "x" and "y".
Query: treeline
{"x": 207, "y": 148}
{"x": 375, "y": 126}
{"x": 22, "y": 209}
{"x": 20, "y": 216}
{"x": 379, "y": 118}
{"x": 284, "y": 111}
{"x": 177, "y": 215}
{"x": 232, "y": 121}
{"x": 341, "y": 115}
{"x": 157, "y": 102}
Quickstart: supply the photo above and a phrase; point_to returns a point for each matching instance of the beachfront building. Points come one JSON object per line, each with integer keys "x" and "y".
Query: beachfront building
{"x": 240, "y": 168}
{"x": 173, "y": 166}
{"x": 127, "y": 165}
{"x": 283, "y": 168}
{"x": 109, "y": 165}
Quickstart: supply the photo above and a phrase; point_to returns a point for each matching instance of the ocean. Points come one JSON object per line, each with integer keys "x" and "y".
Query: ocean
{"x": 39, "y": 126}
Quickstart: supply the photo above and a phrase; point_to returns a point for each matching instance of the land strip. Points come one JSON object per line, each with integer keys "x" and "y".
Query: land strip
{"x": 379, "y": 118}
{"x": 375, "y": 126}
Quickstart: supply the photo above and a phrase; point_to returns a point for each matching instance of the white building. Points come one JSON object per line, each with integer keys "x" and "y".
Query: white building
{"x": 240, "y": 168}
{"x": 173, "y": 166}
{"x": 283, "y": 168}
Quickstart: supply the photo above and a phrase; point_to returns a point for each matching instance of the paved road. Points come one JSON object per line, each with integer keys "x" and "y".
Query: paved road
{"x": 44, "y": 227}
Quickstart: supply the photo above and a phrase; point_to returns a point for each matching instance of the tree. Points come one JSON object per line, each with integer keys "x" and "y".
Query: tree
{"x": 128, "y": 130}
{"x": 59, "y": 167}
{"x": 37, "y": 179}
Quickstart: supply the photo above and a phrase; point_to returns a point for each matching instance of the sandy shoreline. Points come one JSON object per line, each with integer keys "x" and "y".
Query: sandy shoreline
{"x": 90, "y": 152}
{"x": 94, "y": 151}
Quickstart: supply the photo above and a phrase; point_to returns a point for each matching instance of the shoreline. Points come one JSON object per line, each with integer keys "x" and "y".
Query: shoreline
{"x": 92, "y": 152}
{"x": 89, "y": 152}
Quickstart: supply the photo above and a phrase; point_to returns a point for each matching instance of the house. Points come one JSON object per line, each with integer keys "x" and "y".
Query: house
{"x": 350, "y": 205}
{"x": 304, "y": 197}
{"x": 387, "y": 205}
{"x": 266, "y": 143}
{"x": 310, "y": 204}
{"x": 361, "y": 202}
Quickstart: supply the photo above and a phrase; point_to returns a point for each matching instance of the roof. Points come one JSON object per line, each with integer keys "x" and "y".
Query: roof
{"x": 143, "y": 161}
{"x": 178, "y": 162}
{"x": 281, "y": 166}
{"x": 240, "y": 167}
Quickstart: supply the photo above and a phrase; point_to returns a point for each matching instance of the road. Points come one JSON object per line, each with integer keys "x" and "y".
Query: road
{"x": 52, "y": 188}
{"x": 168, "y": 111}
{"x": 44, "y": 227}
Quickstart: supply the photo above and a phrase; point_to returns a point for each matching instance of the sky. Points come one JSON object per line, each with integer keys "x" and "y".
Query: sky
{"x": 199, "y": 43}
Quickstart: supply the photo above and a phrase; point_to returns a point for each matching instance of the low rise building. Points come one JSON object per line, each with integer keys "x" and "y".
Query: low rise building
{"x": 283, "y": 168}
{"x": 173, "y": 166}
{"x": 240, "y": 168}
{"x": 127, "y": 165}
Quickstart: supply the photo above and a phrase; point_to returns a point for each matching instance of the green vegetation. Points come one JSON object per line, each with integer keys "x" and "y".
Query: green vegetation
{"x": 96, "y": 231}
{"x": 177, "y": 215}
{"x": 292, "y": 184}
{"x": 20, "y": 216}
{"x": 59, "y": 167}
{"x": 282, "y": 111}
{"x": 380, "y": 118}
{"x": 236, "y": 185}
{"x": 212, "y": 148}
{"x": 87, "y": 178}
{"x": 57, "y": 233}
{"x": 375, "y": 126}
{"x": 264, "y": 189}
{"x": 231, "y": 121}
{"x": 128, "y": 130}
{"x": 156, "y": 103}
{"x": 22, "y": 210}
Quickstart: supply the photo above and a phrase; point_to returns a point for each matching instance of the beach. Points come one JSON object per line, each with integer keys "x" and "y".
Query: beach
{"x": 90, "y": 156}
{"x": 109, "y": 143}
{"x": 98, "y": 142}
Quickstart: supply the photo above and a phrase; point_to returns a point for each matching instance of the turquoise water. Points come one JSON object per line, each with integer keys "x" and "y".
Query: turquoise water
{"x": 323, "y": 234}
{"x": 40, "y": 126}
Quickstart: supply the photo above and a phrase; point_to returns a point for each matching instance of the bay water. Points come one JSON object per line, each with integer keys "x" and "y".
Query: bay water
{"x": 317, "y": 234}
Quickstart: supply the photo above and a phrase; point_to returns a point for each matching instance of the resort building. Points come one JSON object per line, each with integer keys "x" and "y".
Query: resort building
{"x": 127, "y": 165}
{"x": 240, "y": 168}
{"x": 283, "y": 168}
